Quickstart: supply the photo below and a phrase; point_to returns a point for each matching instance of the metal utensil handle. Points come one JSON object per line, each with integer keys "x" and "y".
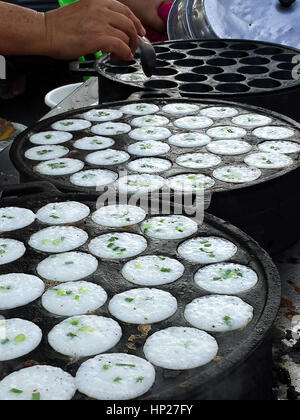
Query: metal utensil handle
{"x": 28, "y": 189}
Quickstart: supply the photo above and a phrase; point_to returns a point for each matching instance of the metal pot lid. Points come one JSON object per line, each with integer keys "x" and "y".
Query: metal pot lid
{"x": 259, "y": 20}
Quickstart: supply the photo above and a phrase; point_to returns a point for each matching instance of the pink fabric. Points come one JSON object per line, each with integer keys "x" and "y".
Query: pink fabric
{"x": 163, "y": 12}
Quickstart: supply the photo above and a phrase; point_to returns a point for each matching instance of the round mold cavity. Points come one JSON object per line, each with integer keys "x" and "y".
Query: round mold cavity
{"x": 183, "y": 46}
{"x": 171, "y": 56}
{"x": 208, "y": 70}
{"x": 268, "y": 51}
{"x": 189, "y": 63}
{"x": 201, "y": 52}
{"x": 287, "y": 58}
{"x": 286, "y": 66}
{"x": 161, "y": 63}
{"x": 190, "y": 77}
{"x": 164, "y": 71}
{"x": 122, "y": 63}
{"x": 255, "y": 61}
{"x": 214, "y": 44}
{"x": 161, "y": 50}
{"x": 196, "y": 88}
{"x": 234, "y": 54}
{"x": 243, "y": 46}
{"x": 253, "y": 70}
{"x": 161, "y": 84}
{"x": 282, "y": 75}
{"x": 264, "y": 83}
{"x": 230, "y": 77}
{"x": 221, "y": 62}
{"x": 233, "y": 88}
{"x": 121, "y": 70}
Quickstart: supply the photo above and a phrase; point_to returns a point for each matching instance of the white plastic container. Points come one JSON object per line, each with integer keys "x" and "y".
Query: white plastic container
{"x": 56, "y": 96}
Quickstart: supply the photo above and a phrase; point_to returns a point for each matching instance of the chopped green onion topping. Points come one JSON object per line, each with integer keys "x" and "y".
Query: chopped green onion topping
{"x": 16, "y": 391}
{"x": 20, "y": 338}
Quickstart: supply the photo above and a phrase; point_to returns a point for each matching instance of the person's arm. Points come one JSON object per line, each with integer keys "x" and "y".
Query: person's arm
{"x": 77, "y": 29}
{"x": 146, "y": 11}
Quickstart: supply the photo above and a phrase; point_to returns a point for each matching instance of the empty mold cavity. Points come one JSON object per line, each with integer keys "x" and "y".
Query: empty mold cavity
{"x": 264, "y": 83}
{"x": 234, "y": 54}
{"x": 161, "y": 84}
{"x": 190, "y": 77}
{"x": 232, "y": 88}
{"x": 122, "y": 63}
{"x": 161, "y": 63}
{"x": 230, "y": 77}
{"x": 287, "y": 58}
{"x": 164, "y": 71}
{"x": 255, "y": 61}
{"x": 121, "y": 70}
{"x": 196, "y": 88}
{"x": 253, "y": 70}
{"x": 161, "y": 50}
{"x": 222, "y": 62}
{"x": 214, "y": 44}
{"x": 282, "y": 75}
{"x": 243, "y": 46}
{"x": 268, "y": 51}
{"x": 183, "y": 46}
{"x": 208, "y": 70}
{"x": 189, "y": 63}
{"x": 286, "y": 66}
{"x": 201, "y": 52}
{"x": 171, "y": 56}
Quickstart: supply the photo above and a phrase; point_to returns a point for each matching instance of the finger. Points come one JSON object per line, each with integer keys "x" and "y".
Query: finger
{"x": 116, "y": 33}
{"x": 124, "y": 10}
{"x": 124, "y": 24}
{"x": 117, "y": 47}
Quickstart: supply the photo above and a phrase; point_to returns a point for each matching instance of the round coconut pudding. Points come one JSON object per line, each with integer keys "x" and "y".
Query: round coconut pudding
{"x": 18, "y": 290}
{"x": 206, "y": 250}
{"x": 74, "y": 298}
{"x": 93, "y": 178}
{"x": 11, "y": 250}
{"x": 46, "y": 153}
{"x": 149, "y": 148}
{"x": 51, "y": 137}
{"x": 71, "y": 125}
{"x": 152, "y": 270}
{"x": 229, "y": 147}
{"x": 180, "y": 109}
{"x": 70, "y": 266}
{"x": 226, "y": 278}
{"x": 190, "y": 182}
{"x": 115, "y": 377}
{"x": 218, "y": 313}
{"x": 62, "y": 213}
{"x": 110, "y": 129}
{"x": 118, "y": 246}
{"x": 119, "y": 215}
{"x": 170, "y": 227}
{"x": 149, "y": 165}
{"x": 150, "y": 121}
{"x": 279, "y": 147}
{"x": 56, "y": 239}
{"x": 107, "y": 157}
{"x": 94, "y": 143}
{"x": 193, "y": 123}
{"x": 17, "y": 338}
{"x": 139, "y": 184}
{"x": 38, "y": 383}
{"x": 251, "y": 120}
{"x": 150, "y": 133}
{"x": 85, "y": 336}
{"x": 140, "y": 109}
{"x": 198, "y": 160}
{"x": 274, "y": 133}
{"x": 59, "y": 167}
{"x": 103, "y": 115}
{"x": 226, "y": 132}
{"x": 14, "y": 218}
{"x": 219, "y": 112}
{"x": 269, "y": 160}
{"x": 180, "y": 348}
{"x": 189, "y": 140}
{"x": 237, "y": 174}
{"x": 143, "y": 306}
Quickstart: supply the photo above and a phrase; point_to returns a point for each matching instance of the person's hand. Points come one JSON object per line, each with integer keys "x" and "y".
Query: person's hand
{"x": 87, "y": 26}
{"x": 146, "y": 11}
